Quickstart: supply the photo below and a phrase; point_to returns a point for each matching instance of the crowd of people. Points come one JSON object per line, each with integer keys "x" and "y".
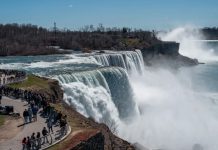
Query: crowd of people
{"x": 38, "y": 104}
{"x": 35, "y": 141}
{"x": 9, "y": 76}
{"x": 18, "y": 74}
{"x": 38, "y": 98}
{"x": 54, "y": 118}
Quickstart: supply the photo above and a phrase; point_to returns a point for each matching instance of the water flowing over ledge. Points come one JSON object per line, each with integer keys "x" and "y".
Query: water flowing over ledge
{"x": 103, "y": 93}
{"x": 132, "y": 61}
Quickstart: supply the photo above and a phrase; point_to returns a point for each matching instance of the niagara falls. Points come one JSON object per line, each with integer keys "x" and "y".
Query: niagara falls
{"x": 108, "y": 75}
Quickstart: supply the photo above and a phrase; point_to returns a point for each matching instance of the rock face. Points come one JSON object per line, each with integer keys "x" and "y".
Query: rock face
{"x": 90, "y": 135}
{"x": 97, "y": 139}
{"x": 166, "y": 54}
{"x": 55, "y": 90}
{"x": 88, "y": 140}
{"x": 164, "y": 48}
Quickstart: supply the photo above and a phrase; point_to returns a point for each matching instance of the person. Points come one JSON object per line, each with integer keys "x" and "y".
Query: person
{"x": 26, "y": 116}
{"x": 30, "y": 114}
{"x": 63, "y": 126}
{"x": 65, "y": 117}
{"x": 58, "y": 117}
{"x": 44, "y": 134}
{"x": 0, "y": 97}
{"x": 32, "y": 103}
{"x": 24, "y": 143}
{"x": 38, "y": 137}
{"x": 35, "y": 110}
{"x": 49, "y": 125}
{"x": 33, "y": 140}
{"x": 28, "y": 144}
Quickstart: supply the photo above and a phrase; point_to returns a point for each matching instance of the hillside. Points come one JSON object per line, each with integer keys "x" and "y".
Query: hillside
{"x": 27, "y": 39}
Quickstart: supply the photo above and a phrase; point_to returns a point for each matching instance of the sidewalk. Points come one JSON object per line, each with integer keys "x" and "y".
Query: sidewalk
{"x": 28, "y": 129}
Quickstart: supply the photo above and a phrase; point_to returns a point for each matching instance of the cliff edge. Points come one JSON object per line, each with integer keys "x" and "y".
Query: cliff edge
{"x": 166, "y": 54}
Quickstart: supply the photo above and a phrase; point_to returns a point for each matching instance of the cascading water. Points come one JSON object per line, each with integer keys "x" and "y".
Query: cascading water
{"x": 105, "y": 93}
{"x": 132, "y": 61}
{"x": 112, "y": 82}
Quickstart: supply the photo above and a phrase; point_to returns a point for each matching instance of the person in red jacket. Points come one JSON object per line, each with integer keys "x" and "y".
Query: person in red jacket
{"x": 24, "y": 142}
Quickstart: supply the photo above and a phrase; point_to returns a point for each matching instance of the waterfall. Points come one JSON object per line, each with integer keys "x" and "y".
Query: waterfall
{"x": 100, "y": 92}
{"x": 132, "y": 61}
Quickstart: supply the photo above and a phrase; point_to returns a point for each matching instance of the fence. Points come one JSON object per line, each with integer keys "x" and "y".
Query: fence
{"x": 46, "y": 141}
{"x": 39, "y": 143}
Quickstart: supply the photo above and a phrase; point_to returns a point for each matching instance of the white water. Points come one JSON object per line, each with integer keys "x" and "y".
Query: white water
{"x": 189, "y": 38}
{"x": 110, "y": 85}
{"x": 92, "y": 102}
{"x": 132, "y": 61}
{"x": 174, "y": 116}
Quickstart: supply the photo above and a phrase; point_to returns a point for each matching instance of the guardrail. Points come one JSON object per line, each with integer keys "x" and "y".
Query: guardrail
{"x": 47, "y": 141}
{"x": 39, "y": 142}
{"x": 61, "y": 138}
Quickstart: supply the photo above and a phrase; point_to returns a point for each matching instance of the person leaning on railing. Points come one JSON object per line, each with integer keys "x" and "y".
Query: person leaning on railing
{"x": 38, "y": 139}
{"x": 24, "y": 143}
{"x": 45, "y": 133}
{"x": 35, "y": 143}
{"x": 63, "y": 126}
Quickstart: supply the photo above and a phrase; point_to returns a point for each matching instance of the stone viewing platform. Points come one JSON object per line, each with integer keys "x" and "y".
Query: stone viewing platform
{"x": 19, "y": 126}
{"x": 15, "y": 143}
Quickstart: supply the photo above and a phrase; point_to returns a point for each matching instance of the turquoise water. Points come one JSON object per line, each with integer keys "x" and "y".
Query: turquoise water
{"x": 49, "y": 65}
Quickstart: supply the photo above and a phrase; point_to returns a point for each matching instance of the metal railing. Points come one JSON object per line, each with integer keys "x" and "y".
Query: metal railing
{"x": 38, "y": 143}
{"x": 46, "y": 141}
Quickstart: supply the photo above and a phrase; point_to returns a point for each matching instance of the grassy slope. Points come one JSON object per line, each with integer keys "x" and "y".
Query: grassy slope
{"x": 31, "y": 82}
{"x": 48, "y": 87}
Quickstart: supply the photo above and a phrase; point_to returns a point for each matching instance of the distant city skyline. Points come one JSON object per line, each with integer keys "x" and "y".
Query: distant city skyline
{"x": 144, "y": 14}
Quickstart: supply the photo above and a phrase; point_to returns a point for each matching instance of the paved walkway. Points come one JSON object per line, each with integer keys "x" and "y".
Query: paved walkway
{"x": 28, "y": 129}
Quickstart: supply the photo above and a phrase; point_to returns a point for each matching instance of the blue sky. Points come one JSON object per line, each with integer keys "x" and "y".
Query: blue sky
{"x": 145, "y": 14}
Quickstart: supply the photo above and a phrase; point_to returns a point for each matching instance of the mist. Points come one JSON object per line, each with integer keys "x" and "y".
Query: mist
{"x": 191, "y": 43}
{"x": 174, "y": 114}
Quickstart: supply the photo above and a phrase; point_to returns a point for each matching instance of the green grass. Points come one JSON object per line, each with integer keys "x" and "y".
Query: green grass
{"x": 31, "y": 82}
{"x": 2, "y": 120}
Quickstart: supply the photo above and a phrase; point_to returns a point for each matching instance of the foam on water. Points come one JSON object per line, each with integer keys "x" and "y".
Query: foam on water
{"x": 173, "y": 114}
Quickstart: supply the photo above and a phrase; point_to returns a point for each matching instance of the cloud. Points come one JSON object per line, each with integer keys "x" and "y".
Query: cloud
{"x": 70, "y": 5}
